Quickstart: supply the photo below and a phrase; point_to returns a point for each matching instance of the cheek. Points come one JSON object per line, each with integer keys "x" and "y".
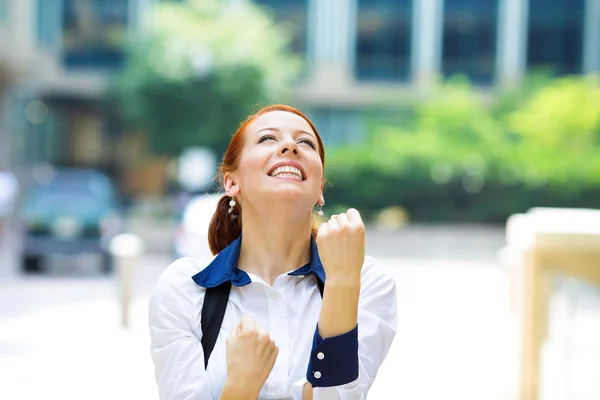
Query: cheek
{"x": 317, "y": 170}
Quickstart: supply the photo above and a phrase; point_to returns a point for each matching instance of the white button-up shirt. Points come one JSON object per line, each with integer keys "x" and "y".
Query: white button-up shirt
{"x": 289, "y": 310}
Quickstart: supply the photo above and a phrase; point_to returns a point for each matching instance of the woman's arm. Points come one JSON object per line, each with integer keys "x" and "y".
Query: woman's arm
{"x": 373, "y": 335}
{"x": 359, "y": 306}
{"x": 175, "y": 349}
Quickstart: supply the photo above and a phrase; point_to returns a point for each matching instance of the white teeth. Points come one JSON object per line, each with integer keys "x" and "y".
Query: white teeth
{"x": 287, "y": 171}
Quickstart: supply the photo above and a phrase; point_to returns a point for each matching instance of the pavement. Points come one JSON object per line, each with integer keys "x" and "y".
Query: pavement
{"x": 60, "y": 334}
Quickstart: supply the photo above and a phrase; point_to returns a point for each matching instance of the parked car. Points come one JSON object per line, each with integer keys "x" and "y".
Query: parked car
{"x": 74, "y": 211}
{"x": 191, "y": 237}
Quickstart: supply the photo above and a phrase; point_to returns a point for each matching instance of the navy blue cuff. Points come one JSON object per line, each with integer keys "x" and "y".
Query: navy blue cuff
{"x": 333, "y": 361}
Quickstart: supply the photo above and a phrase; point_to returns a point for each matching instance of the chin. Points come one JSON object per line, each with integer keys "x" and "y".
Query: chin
{"x": 289, "y": 194}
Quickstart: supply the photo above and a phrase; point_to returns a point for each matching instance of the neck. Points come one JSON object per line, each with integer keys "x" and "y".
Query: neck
{"x": 274, "y": 243}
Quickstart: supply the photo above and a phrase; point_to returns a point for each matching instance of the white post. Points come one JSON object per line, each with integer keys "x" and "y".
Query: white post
{"x": 331, "y": 31}
{"x": 126, "y": 250}
{"x": 428, "y": 19}
{"x": 591, "y": 42}
{"x": 511, "y": 60}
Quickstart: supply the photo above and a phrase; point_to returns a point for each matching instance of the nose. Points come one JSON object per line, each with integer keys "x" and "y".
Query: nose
{"x": 289, "y": 145}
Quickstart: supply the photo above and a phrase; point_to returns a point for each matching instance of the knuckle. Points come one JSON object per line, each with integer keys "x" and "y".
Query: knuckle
{"x": 249, "y": 332}
{"x": 263, "y": 338}
{"x": 358, "y": 227}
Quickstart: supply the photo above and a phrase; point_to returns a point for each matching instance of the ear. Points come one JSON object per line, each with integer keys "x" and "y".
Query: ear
{"x": 321, "y": 200}
{"x": 231, "y": 186}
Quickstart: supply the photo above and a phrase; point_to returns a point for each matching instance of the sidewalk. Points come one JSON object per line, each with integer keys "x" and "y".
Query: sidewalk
{"x": 76, "y": 351}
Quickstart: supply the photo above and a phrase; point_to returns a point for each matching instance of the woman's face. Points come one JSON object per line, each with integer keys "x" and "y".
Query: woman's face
{"x": 279, "y": 160}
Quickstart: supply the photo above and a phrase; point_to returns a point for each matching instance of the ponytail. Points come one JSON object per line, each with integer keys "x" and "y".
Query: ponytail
{"x": 224, "y": 227}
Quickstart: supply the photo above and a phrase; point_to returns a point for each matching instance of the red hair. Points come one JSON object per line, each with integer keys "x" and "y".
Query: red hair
{"x": 223, "y": 229}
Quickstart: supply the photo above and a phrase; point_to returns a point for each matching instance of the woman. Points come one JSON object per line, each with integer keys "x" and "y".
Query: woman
{"x": 279, "y": 338}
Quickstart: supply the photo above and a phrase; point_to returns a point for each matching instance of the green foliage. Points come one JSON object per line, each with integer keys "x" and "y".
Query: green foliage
{"x": 462, "y": 158}
{"x": 558, "y": 133}
{"x": 200, "y": 68}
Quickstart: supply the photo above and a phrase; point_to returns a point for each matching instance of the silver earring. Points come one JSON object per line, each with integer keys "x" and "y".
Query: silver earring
{"x": 231, "y": 204}
{"x": 320, "y": 212}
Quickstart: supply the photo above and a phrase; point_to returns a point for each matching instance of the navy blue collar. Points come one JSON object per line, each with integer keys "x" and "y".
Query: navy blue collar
{"x": 224, "y": 267}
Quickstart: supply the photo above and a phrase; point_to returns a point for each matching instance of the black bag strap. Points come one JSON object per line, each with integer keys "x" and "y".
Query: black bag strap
{"x": 213, "y": 312}
{"x": 321, "y": 285}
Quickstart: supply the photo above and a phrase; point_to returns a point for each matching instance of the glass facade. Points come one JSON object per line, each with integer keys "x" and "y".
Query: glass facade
{"x": 555, "y": 36}
{"x": 293, "y": 14}
{"x": 3, "y": 10}
{"x": 469, "y": 39}
{"x": 338, "y": 126}
{"x": 94, "y": 33}
{"x": 383, "y": 41}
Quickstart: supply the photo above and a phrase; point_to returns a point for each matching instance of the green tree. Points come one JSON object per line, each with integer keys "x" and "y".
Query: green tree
{"x": 557, "y": 133}
{"x": 464, "y": 157}
{"x": 198, "y": 70}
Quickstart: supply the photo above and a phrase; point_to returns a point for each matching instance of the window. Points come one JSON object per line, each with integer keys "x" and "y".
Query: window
{"x": 555, "y": 35}
{"x": 383, "y": 39}
{"x": 94, "y": 32}
{"x": 469, "y": 39}
{"x": 3, "y": 10}
{"x": 293, "y": 14}
{"x": 338, "y": 126}
{"x": 48, "y": 24}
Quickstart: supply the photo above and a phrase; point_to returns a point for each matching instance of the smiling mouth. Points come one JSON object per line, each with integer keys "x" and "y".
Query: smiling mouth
{"x": 287, "y": 171}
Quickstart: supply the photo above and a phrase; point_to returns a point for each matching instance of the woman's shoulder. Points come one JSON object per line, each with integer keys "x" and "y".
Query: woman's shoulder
{"x": 178, "y": 275}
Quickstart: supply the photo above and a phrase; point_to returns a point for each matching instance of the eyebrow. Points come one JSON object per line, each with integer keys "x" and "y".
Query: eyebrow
{"x": 302, "y": 131}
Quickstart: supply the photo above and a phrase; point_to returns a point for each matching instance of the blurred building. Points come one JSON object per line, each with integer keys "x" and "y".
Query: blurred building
{"x": 364, "y": 52}
{"x": 59, "y": 53}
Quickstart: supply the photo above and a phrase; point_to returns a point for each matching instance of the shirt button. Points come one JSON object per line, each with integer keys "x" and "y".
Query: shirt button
{"x": 274, "y": 295}
{"x": 317, "y": 375}
{"x": 320, "y": 356}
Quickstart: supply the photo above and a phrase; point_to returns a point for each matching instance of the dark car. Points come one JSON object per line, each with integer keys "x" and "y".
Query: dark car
{"x": 74, "y": 211}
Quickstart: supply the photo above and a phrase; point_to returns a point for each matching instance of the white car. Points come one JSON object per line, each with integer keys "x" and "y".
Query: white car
{"x": 191, "y": 237}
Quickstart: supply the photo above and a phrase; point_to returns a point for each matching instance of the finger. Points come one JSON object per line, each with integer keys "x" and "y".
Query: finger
{"x": 271, "y": 351}
{"x": 333, "y": 224}
{"x": 247, "y": 323}
{"x": 275, "y": 352}
{"x": 342, "y": 220}
{"x": 260, "y": 329}
{"x": 354, "y": 216}
{"x": 323, "y": 229}
{"x": 235, "y": 330}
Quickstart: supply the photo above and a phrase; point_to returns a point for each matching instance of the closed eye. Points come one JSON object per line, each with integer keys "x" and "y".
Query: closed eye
{"x": 266, "y": 137}
{"x": 308, "y": 141}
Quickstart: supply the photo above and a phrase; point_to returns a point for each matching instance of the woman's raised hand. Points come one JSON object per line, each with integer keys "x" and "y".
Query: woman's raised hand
{"x": 341, "y": 244}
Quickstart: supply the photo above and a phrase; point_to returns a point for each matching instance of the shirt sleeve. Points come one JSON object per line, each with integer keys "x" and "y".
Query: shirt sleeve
{"x": 174, "y": 346}
{"x": 344, "y": 367}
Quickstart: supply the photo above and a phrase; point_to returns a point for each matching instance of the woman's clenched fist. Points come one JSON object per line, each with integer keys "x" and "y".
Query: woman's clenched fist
{"x": 251, "y": 354}
{"x": 341, "y": 244}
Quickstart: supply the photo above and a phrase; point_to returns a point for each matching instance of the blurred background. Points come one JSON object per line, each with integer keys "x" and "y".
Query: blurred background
{"x": 441, "y": 118}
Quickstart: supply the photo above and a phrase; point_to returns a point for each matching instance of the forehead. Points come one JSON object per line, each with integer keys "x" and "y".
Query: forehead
{"x": 282, "y": 120}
